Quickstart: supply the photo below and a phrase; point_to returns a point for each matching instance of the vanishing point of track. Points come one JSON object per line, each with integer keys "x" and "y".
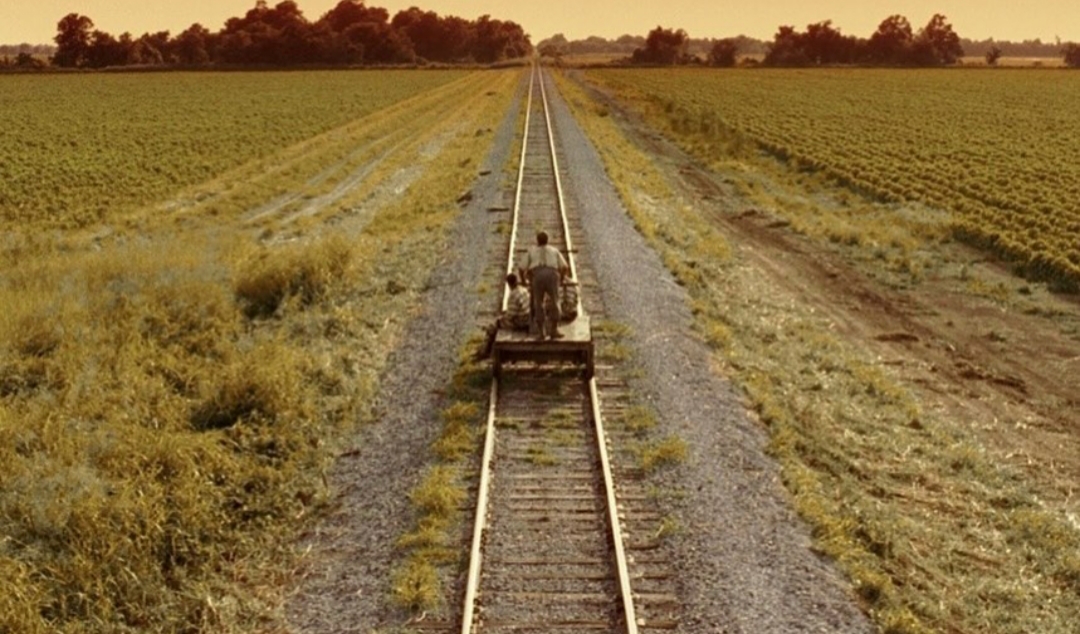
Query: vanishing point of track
{"x": 563, "y": 539}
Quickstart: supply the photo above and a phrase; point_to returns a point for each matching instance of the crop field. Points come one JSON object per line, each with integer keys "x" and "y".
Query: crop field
{"x": 81, "y": 149}
{"x": 201, "y": 278}
{"x": 993, "y": 148}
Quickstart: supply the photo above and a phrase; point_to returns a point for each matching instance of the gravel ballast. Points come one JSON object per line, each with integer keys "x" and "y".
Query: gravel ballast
{"x": 744, "y": 557}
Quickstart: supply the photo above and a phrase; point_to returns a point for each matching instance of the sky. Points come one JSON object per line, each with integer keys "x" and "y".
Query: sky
{"x": 34, "y": 21}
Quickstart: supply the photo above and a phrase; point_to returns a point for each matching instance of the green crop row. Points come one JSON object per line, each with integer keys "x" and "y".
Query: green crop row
{"x": 994, "y": 149}
{"x": 79, "y": 149}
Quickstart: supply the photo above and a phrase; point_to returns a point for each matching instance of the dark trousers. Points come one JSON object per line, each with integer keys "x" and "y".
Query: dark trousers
{"x": 544, "y": 287}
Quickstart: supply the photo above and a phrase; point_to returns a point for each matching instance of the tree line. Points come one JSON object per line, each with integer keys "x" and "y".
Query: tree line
{"x": 894, "y": 43}
{"x": 348, "y": 34}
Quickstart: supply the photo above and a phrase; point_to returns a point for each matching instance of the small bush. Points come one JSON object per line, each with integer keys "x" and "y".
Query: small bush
{"x": 266, "y": 388}
{"x": 438, "y": 494}
{"x": 274, "y": 274}
{"x": 416, "y": 585}
{"x": 669, "y": 451}
{"x": 640, "y": 419}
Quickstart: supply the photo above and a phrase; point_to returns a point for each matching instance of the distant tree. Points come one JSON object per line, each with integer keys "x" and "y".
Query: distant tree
{"x": 275, "y": 36}
{"x": 942, "y": 41}
{"x": 381, "y": 43}
{"x": 289, "y": 39}
{"x": 349, "y": 12}
{"x": 362, "y": 35}
{"x": 993, "y": 55}
{"x": 1071, "y": 52}
{"x": 72, "y": 40}
{"x": 892, "y": 41}
{"x": 349, "y": 33}
{"x": 345, "y": 47}
{"x": 555, "y": 46}
{"x": 244, "y": 39}
{"x": 919, "y": 53}
{"x": 192, "y": 46}
{"x": 106, "y": 50}
{"x": 723, "y": 53}
{"x": 786, "y": 49}
{"x": 153, "y": 49}
{"x": 125, "y": 50}
{"x": 626, "y": 43}
{"x": 497, "y": 40}
{"x": 594, "y": 44}
{"x": 663, "y": 46}
{"x": 425, "y": 32}
{"x": 820, "y": 45}
{"x": 823, "y": 44}
{"x": 26, "y": 60}
{"x": 519, "y": 44}
{"x": 459, "y": 39}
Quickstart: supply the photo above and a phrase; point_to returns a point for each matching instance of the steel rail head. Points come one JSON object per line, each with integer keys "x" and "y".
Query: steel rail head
{"x": 472, "y": 583}
{"x": 625, "y": 591}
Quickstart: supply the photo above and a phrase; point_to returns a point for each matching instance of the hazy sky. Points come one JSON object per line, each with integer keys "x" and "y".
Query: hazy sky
{"x": 34, "y": 21}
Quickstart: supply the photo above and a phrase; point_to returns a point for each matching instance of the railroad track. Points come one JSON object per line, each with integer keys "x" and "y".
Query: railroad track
{"x": 564, "y": 540}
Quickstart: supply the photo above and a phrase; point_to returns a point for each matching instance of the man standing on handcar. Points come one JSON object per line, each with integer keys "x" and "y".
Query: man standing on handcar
{"x": 544, "y": 267}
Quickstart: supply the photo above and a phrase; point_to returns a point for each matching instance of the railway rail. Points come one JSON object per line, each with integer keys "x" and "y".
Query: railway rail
{"x": 564, "y": 540}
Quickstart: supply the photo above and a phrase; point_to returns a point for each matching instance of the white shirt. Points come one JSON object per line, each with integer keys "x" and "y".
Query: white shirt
{"x": 546, "y": 255}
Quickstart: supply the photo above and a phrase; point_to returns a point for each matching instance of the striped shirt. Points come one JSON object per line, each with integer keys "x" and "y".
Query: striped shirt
{"x": 517, "y": 308}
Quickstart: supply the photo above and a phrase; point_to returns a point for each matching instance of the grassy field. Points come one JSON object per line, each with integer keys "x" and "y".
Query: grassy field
{"x": 991, "y": 147}
{"x": 936, "y": 532}
{"x": 178, "y": 371}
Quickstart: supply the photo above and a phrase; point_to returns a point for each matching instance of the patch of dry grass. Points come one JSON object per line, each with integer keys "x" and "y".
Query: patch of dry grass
{"x": 416, "y": 585}
{"x": 664, "y": 452}
{"x": 147, "y": 433}
{"x": 272, "y": 275}
{"x": 460, "y": 431}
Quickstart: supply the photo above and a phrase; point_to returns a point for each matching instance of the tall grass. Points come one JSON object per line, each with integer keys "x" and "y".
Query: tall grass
{"x": 145, "y": 428}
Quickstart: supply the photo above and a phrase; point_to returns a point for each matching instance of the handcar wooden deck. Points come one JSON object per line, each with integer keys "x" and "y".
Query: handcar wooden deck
{"x": 576, "y": 346}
